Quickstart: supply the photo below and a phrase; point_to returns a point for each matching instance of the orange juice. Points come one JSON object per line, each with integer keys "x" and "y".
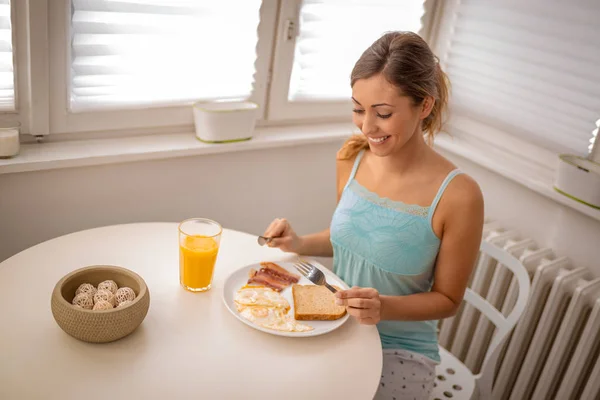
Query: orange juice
{"x": 197, "y": 256}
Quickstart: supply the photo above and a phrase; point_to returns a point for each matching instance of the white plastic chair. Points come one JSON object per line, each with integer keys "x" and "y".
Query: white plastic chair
{"x": 454, "y": 380}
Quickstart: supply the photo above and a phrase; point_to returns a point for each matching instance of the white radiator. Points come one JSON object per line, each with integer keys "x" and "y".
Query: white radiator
{"x": 553, "y": 352}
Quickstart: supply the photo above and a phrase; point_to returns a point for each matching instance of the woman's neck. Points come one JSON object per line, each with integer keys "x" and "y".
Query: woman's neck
{"x": 408, "y": 157}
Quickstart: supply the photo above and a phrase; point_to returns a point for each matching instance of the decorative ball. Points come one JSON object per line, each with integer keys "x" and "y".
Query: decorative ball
{"x": 124, "y": 303}
{"x": 86, "y": 288}
{"x": 105, "y": 295}
{"x": 103, "y": 305}
{"x": 84, "y": 300}
{"x": 124, "y": 294}
{"x": 109, "y": 285}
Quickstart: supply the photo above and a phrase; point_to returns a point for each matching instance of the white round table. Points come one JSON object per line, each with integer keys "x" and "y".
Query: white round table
{"x": 189, "y": 345}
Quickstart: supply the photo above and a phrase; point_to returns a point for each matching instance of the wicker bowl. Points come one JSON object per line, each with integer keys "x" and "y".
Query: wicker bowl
{"x": 99, "y": 326}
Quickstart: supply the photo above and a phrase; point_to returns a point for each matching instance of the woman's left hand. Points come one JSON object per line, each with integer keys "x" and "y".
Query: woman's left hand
{"x": 364, "y": 304}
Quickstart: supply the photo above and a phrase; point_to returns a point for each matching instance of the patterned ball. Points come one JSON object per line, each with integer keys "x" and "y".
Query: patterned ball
{"x": 124, "y": 294}
{"x": 105, "y": 295}
{"x": 103, "y": 305}
{"x": 86, "y": 288}
{"x": 109, "y": 285}
{"x": 84, "y": 300}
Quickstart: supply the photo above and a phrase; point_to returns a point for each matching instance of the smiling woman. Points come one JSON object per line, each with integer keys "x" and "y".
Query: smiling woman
{"x": 408, "y": 224}
{"x": 423, "y": 217}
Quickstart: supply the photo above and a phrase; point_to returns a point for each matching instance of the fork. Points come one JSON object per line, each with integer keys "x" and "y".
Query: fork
{"x": 313, "y": 274}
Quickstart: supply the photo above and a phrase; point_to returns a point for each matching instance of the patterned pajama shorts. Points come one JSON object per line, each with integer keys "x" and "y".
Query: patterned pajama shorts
{"x": 406, "y": 376}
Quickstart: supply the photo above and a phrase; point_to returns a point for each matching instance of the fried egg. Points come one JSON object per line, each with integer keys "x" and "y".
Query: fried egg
{"x": 260, "y": 296}
{"x": 273, "y": 318}
{"x": 267, "y": 308}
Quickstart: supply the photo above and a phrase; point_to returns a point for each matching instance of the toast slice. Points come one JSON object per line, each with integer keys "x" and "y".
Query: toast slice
{"x": 315, "y": 303}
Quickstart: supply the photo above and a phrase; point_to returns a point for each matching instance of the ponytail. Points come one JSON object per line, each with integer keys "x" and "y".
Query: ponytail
{"x": 434, "y": 122}
{"x": 352, "y": 147}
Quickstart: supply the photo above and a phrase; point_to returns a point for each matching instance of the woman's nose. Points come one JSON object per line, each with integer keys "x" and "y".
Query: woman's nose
{"x": 369, "y": 125}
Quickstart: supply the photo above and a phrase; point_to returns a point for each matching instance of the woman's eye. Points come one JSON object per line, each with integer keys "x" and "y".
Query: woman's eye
{"x": 357, "y": 111}
{"x": 384, "y": 116}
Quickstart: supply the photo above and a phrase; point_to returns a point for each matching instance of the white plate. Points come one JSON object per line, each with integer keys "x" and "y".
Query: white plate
{"x": 240, "y": 277}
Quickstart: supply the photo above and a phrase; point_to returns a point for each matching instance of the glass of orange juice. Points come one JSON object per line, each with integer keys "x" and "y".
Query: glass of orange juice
{"x": 199, "y": 240}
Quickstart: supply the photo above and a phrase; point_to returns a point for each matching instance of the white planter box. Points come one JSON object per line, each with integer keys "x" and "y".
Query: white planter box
{"x": 579, "y": 178}
{"x": 222, "y": 122}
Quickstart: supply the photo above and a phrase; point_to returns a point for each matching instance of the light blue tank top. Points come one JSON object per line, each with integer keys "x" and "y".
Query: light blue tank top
{"x": 390, "y": 246}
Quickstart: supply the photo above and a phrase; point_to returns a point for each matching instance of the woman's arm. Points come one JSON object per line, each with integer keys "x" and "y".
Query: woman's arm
{"x": 463, "y": 224}
{"x": 462, "y": 213}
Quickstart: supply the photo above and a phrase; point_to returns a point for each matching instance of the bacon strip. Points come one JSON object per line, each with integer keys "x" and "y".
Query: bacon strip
{"x": 262, "y": 278}
{"x": 273, "y": 276}
{"x": 279, "y": 272}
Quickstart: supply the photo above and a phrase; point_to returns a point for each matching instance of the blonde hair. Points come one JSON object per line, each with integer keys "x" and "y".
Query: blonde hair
{"x": 407, "y": 62}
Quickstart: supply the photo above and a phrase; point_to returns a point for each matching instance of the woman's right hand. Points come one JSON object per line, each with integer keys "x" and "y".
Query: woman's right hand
{"x": 283, "y": 235}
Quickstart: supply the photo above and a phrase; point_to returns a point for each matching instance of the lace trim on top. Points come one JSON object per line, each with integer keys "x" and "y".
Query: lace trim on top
{"x": 372, "y": 197}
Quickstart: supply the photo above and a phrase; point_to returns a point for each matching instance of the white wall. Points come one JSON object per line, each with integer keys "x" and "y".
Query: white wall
{"x": 242, "y": 190}
{"x": 245, "y": 191}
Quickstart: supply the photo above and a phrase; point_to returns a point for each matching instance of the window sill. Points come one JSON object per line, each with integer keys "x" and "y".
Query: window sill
{"x": 525, "y": 172}
{"x": 78, "y": 153}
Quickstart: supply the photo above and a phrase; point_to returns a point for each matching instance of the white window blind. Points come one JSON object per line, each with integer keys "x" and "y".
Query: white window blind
{"x": 7, "y": 78}
{"x": 135, "y": 53}
{"x": 332, "y": 36}
{"x": 530, "y": 68}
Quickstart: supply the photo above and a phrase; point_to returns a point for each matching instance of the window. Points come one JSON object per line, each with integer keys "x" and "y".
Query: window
{"x": 7, "y": 77}
{"x": 332, "y": 35}
{"x": 140, "y": 64}
{"x": 135, "y": 53}
{"x": 14, "y": 66}
{"x": 129, "y": 66}
{"x": 527, "y": 68}
{"x": 321, "y": 41}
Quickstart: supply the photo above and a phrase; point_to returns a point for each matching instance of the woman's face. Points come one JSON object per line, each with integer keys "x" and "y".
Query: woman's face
{"x": 384, "y": 116}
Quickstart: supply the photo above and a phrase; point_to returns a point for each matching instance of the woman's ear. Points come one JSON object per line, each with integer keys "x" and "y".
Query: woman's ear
{"x": 427, "y": 106}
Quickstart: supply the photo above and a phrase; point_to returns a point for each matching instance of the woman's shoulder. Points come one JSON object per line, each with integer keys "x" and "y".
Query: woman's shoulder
{"x": 463, "y": 196}
{"x": 465, "y": 188}
{"x": 461, "y": 210}
{"x": 461, "y": 192}
{"x": 462, "y": 185}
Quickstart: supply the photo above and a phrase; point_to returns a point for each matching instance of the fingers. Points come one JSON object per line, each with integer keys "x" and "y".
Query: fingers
{"x": 366, "y": 316}
{"x": 277, "y": 228}
{"x": 360, "y": 313}
{"x": 358, "y": 302}
{"x": 273, "y": 227}
{"x": 270, "y": 228}
{"x": 361, "y": 303}
{"x": 357, "y": 292}
{"x": 281, "y": 233}
{"x": 283, "y": 242}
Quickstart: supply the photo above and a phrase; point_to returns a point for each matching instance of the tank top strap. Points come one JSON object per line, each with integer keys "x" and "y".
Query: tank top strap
{"x": 441, "y": 190}
{"x": 355, "y": 167}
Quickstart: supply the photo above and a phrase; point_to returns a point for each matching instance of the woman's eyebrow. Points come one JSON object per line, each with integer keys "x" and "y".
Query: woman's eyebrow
{"x": 374, "y": 105}
{"x": 382, "y": 104}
